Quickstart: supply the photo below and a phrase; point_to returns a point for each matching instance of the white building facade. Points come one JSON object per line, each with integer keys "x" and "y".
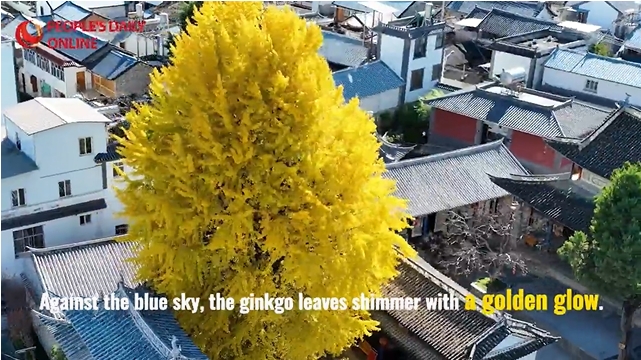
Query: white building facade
{"x": 47, "y": 73}
{"x": 413, "y": 53}
{"x": 592, "y": 76}
{"x": 53, "y": 191}
{"x": 9, "y": 81}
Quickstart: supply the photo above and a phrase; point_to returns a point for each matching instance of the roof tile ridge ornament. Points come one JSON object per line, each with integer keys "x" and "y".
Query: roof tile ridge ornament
{"x": 174, "y": 353}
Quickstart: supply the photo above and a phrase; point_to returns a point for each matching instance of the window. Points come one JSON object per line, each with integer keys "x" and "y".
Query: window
{"x": 436, "y": 72}
{"x": 420, "y": 47}
{"x": 494, "y": 206}
{"x": 416, "y": 82}
{"x": 116, "y": 166}
{"x": 417, "y": 227}
{"x": 64, "y": 188}
{"x": 576, "y": 172}
{"x": 439, "y": 41}
{"x": 32, "y": 237}
{"x": 122, "y": 229}
{"x": 85, "y": 145}
{"x": 18, "y": 198}
{"x": 85, "y": 219}
{"x": 591, "y": 86}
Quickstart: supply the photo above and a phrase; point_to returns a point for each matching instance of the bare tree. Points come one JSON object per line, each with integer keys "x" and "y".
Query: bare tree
{"x": 14, "y": 298}
{"x": 473, "y": 243}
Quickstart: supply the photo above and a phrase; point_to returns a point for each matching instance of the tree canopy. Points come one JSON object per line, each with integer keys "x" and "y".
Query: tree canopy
{"x": 252, "y": 175}
{"x": 607, "y": 258}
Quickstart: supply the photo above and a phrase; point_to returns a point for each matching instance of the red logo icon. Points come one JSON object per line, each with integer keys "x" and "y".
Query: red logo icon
{"x": 24, "y": 38}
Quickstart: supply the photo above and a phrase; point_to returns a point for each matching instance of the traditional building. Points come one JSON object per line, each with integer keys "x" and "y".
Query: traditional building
{"x": 524, "y": 117}
{"x": 567, "y": 199}
{"x": 447, "y": 334}
{"x": 100, "y": 268}
{"x": 439, "y": 183}
{"x": 57, "y": 193}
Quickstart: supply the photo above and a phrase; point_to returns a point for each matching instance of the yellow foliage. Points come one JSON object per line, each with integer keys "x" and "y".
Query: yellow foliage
{"x": 253, "y": 176}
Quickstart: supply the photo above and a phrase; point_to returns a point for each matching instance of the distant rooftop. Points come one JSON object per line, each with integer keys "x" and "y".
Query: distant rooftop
{"x": 526, "y": 110}
{"x": 394, "y": 7}
{"x": 71, "y": 11}
{"x": 411, "y": 27}
{"x": 42, "y": 114}
{"x": 633, "y": 40}
{"x": 526, "y": 8}
{"x": 595, "y": 66}
{"x": 343, "y": 50}
{"x": 538, "y": 42}
{"x": 500, "y": 23}
{"x": 367, "y": 80}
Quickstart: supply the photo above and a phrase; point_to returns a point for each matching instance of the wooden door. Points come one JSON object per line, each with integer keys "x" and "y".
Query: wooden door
{"x": 80, "y": 81}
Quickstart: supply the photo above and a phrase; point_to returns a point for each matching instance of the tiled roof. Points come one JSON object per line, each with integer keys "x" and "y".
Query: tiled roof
{"x": 526, "y": 8}
{"x": 343, "y": 50}
{"x": 452, "y": 179}
{"x": 477, "y": 13}
{"x": 391, "y": 152}
{"x": 367, "y": 80}
{"x": 78, "y": 55}
{"x": 113, "y": 64}
{"x": 445, "y": 88}
{"x": 14, "y": 161}
{"x": 400, "y": 6}
{"x": 617, "y": 141}
{"x": 71, "y": 11}
{"x": 117, "y": 334}
{"x": 110, "y": 155}
{"x": 85, "y": 269}
{"x": 633, "y": 40}
{"x": 532, "y": 112}
{"x": 501, "y": 23}
{"x": 448, "y": 334}
{"x": 553, "y": 196}
{"x": 595, "y": 66}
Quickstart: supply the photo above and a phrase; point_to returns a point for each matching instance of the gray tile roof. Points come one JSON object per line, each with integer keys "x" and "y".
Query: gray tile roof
{"x": 500, "y": 23}
{"x": 72, "y": 12}
{"x": 391, "y": 152}
{"x": 633, "y": 40}
{"x": 452, "y": 179}
{"x": 85, "y": 269}
{"x": 42, "y": 114}
{"x": 117, "y": 334}
{"x": 478, "y": 13}
{"x": 367, "y": 80}
{"x": 343, "y": 50}
{"x": 14, "y": 161}
{"x": 454, "y": 334}
{"x": 527, "y": 8}
{"x": 617, "y": 141}
{"x": 553, "y": 196}
{"x": 532, "y": 112}
{"x": 595, "y": 66}
{"x": 113, "y": 64}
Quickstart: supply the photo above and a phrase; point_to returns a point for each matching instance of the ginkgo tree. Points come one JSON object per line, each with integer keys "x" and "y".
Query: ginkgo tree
{"x": 252, "y": 176}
